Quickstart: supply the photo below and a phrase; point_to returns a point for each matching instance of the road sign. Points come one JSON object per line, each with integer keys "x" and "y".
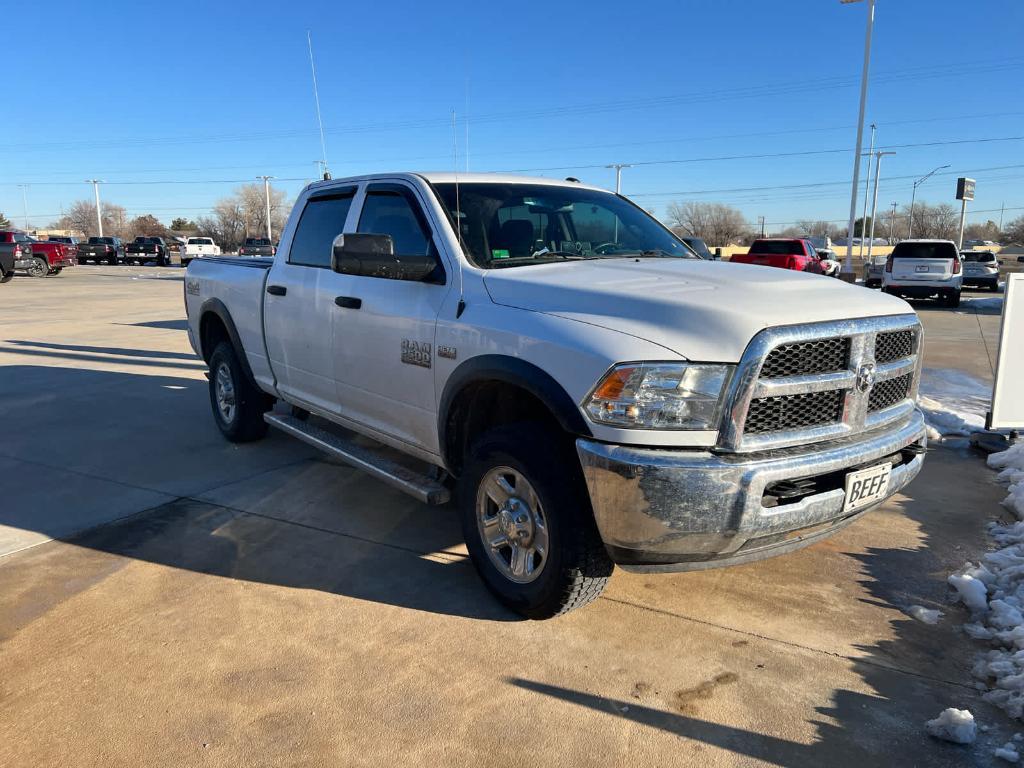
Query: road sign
{"x": 1008, "y": 388}
{"x": 964, "y": 188}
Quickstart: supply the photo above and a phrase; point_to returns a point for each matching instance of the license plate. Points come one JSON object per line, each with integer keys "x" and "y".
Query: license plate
{"x": 922, "y": 268}
{"x": 866, "y": 486}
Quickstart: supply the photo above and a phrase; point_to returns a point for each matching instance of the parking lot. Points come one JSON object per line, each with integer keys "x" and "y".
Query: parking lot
{"x": 168, "y": 598}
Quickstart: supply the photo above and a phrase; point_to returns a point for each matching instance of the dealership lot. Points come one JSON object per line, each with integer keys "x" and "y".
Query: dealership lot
{"x": 251, "y": 605}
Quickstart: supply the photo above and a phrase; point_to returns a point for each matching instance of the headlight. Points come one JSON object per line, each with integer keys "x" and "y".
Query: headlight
{"x": 659, "y": 396}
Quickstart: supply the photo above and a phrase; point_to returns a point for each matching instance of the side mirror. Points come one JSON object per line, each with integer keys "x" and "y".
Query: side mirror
{"x": 374, "y": 256}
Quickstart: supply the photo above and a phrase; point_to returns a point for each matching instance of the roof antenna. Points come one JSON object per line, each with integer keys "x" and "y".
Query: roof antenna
{"x": 316, "y": 96}
{"x": 458, "y": 214}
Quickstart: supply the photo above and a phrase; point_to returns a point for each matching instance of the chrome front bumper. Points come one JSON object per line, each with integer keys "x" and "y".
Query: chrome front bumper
{"x": 677, "y": 510}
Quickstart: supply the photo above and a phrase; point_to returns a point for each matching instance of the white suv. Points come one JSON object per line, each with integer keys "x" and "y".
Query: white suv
{"x": 924, "y": 269}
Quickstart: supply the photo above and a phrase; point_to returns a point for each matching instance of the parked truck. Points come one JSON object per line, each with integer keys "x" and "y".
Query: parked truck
{"x": 553, "y": 359}
{"x": 109, "y": 250}
{"x": 39, "y": 258}
{"x": 257, "y": 246}
{"x": 198, "y": 247}
{"x": 143, "y": 249}
{"x": 797, "y": 254}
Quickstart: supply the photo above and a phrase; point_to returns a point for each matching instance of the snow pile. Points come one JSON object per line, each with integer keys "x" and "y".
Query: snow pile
{"x": 953, "y": 402}
{"x": 1008, "y": 752}
{"x": 926, "y": 615}
{"x": 956, "y": 725}
{"x": 1011, "y": 462}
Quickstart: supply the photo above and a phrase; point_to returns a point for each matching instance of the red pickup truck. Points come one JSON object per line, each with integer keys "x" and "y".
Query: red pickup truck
{"x": 786, "y": 253}
{"x": 39, "y": 258}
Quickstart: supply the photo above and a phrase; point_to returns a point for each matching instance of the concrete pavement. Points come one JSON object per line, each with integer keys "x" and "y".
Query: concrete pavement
{"x": 257, "y": 605}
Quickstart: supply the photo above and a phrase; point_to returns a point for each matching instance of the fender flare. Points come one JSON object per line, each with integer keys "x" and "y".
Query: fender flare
{"x": 218, "y": 308}
{"x": 517, "y": 372}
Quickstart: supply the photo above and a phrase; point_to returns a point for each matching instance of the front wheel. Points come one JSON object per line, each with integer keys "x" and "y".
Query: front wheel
{"x": 528, "y": 524}
{"x": 56, "y": 271}
{"x": 238, "y": 406}
{"x": 38, "y": 267}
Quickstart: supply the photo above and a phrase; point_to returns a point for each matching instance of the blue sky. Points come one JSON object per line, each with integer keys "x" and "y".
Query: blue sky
{"x": 194, "y": 97}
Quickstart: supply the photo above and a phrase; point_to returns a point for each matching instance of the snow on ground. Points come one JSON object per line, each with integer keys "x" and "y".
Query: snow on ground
{"x": 956, "y": 725}
{"x": 1011, "y": 462}
{"x": 926, "y": 615}
{"x": 983, "y": 303}
{"x": 953, "y": 402}
{"x": 1008, "y": 752}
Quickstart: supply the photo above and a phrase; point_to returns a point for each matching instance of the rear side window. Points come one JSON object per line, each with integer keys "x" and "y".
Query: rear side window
{"x": 924, "y": 251}
{"x": 323, "y": 219}
{"x": 777, "y": 247}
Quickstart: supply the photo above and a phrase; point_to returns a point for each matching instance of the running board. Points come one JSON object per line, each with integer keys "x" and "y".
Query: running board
{"x": 419, "y": 486}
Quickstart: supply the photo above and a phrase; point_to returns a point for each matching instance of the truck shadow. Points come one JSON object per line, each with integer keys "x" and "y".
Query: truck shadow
{"x": 111, "y": 433}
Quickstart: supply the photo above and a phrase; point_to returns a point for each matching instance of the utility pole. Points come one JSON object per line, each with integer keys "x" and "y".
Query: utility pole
{"x": 874, "y": 203}
{"x": 25, "y": 203}
{"x": 618, "y": 174}
{"x": 99, "y": 214}
{"x": 913, "y": 195}
{"x": 892, "y": 222}
{"x": 266, "y": 193}
{"x": 1001, "y": 209}
{"x": 847, "y": 272}
{"x": 760, "y": 220}
{"x": 867, "y": 185}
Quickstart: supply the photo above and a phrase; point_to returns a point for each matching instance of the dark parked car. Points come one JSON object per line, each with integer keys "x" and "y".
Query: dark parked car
{"x": 143, "y": 249}
{"x": 105, "y": 249}
{"x": 257, "y": 246}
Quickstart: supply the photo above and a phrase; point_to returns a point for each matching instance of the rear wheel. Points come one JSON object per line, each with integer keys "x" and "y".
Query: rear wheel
{"x": 528, "y": 524}
{"x": 952, "y": 299}
{"x": 238, "y": 406}
{"x": 38, "y": 267}
{"x": 56, "y": 270}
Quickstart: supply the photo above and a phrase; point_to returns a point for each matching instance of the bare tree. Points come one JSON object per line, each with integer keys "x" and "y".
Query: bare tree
{"x": 81, "y": 217}
{"x": 818, "y": 228}
{"x": 254, "y": 203}
{"x": 716, "y": 224}
{"x": 1013, "y": 232}
{"x": 987, "y": 231}
{"x": 147, "y": 225}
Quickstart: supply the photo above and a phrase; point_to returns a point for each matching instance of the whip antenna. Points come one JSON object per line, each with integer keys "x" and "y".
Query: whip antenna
{"x": 316, "y": 97}
{"x": 458, "y": 213}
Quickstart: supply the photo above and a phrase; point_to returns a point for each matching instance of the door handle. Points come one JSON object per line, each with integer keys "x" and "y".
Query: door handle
{"x": 348, "y": 302}
{"x": 276, "y": 290}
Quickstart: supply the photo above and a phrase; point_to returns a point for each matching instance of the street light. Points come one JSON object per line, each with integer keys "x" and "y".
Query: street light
{"x": 266, "y": 193}
{"x": 919, "y": 182}
{"x": 874, "y": 203}
{"x": 99, "y": 216}
{"x": 24, "y": 202}
{"x": 848, "y": 265}
{"x": 618, "y": 174}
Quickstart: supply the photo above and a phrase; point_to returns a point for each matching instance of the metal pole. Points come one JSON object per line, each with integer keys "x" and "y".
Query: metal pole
{"x": 848, "y": 264}
{"x": 25, "y": 203}
{"x": 761, "y": 220}
{"x": 892, "y": 222}
{"x": 266, "y": 193}
{"x": 874, "y": 202}
{"x": 99, "y": 212}
{"x": 910, "y": 225}
{"x": 963, "y": 215}
{"x": 867, "y": 186}
{"x": 618, "y": 174}
{"x": 1002, "y": 208}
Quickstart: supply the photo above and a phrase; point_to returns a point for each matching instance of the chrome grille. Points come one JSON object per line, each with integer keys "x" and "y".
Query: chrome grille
{"x": 886, "y": 394}
{"x": 797, "y": 385}
{"x": 806, "y": 357}
{"x": 893, "y": 346}
{"x": 771, "y": 414}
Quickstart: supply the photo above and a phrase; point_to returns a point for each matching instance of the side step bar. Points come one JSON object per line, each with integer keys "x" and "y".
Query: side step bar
{"x": 418, "y": 486}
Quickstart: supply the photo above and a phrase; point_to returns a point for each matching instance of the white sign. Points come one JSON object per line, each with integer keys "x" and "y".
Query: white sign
{"x": 1008, "y": 388}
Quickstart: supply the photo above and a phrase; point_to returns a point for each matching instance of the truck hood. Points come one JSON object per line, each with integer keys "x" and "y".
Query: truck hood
{"x": 701, "y": 310}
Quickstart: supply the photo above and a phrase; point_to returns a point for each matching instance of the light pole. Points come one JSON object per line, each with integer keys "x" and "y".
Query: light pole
{"x": 892, "y": 222}
{"x": 867, "y": 186}
{"x": 847, "y": 273}
{"x": 99, "y": 215}
{"x": 874, "y": 203}
{"x": 913, "y": 195}
{"x": 760, "y": 220}
{"x": 618, "y": 174}
{"x": 266, "y": 194}
{"x": 25, "y": 204}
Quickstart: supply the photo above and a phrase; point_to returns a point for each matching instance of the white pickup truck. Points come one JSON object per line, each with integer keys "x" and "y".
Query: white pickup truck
{"x": 555, "y": 358}
{"x": 198, "y": 247}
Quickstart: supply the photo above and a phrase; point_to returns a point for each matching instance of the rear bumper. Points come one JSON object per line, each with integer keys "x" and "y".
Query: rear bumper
{"x": 674, "y": 510}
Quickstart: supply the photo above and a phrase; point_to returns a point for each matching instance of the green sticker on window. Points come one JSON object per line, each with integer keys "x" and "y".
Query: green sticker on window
{"x": 499, "y": 253}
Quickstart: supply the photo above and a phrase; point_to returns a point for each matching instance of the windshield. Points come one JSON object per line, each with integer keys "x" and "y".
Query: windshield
{"x": 511, "y": 224}
{"x": 200, "y": 241}
{"x": 986, "y": 256}
{"x": 101, "y": 240}
{"x": 924, "y": 251}
{"x": 256, "y": 241}
{"x": 777, "y": 247}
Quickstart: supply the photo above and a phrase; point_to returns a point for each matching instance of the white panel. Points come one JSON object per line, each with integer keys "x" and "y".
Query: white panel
{"x": 1008, "y": 389}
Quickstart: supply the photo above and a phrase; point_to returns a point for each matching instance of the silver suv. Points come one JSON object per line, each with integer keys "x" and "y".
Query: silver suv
{"x": 924, "y": 269}
{"x": 981, "y": 269}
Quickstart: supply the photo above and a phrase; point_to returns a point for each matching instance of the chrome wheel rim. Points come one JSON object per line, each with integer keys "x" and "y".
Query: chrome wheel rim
{"x": 224, "y": 389}
{"x": 38, "y": 268}
{"x": 512, "y": 525}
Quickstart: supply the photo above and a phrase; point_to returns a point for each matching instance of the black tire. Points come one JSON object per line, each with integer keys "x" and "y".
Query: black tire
{"x": 577, "y": 565}
{"x": 112, "y": 261}
{"x": 994, "y": 287}
{"x": 55, "y": 271}
{"x": 244, "y": 423}
{"x": 39, "y": 267}
{"x": 952, "y": 299}
{"x": 6, "y": 277}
